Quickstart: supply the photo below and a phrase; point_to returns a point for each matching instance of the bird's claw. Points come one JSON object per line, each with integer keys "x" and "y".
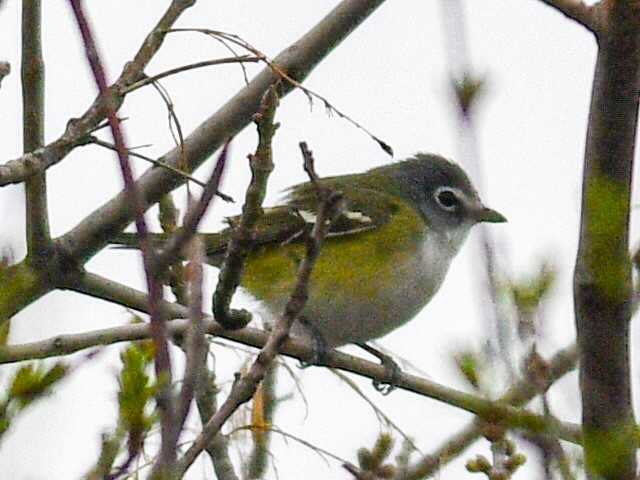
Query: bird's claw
{"x": 392, "y": 370}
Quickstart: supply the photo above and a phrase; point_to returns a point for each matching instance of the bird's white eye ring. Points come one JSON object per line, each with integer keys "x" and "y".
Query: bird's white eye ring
{"x": 447, "y": 199}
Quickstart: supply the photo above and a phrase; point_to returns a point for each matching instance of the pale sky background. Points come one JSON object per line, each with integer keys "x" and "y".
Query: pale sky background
{"x": 390, "y": 76}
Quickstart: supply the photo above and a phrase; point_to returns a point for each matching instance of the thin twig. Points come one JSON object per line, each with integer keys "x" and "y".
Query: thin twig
{"x": 382, "y": 417}
{"x": 315, "y": 448}
{"x": 195, "y": 344}
{"x": 173, "y": 121}
{"x": 273, "y": 64}
{"x": 186, "y": 68}
{"x": 193, "y": 217}
{"x": 155, "y": 162}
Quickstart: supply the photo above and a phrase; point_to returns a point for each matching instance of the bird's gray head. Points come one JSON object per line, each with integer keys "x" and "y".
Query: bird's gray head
{"x": 442, "y": 192}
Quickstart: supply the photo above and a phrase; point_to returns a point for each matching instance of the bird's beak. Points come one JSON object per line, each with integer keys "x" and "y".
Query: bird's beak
{"x": 485, "y": 214}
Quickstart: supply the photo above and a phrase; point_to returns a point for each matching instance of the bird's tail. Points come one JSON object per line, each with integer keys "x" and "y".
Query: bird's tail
{"x": 215, "y": 243}
{"x": 132, "y": 240}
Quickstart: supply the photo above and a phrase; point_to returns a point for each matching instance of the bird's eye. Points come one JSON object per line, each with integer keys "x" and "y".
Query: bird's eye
{"x": 447, "y": 199}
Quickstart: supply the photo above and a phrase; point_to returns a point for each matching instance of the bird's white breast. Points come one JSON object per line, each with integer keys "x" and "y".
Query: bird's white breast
{"x": 400, "y": 294}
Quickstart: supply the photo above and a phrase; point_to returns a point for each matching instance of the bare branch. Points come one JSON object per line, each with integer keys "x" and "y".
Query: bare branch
{"x": 153, "y": 161}
{"x": 577, "y": 10}
{"x": 193, "y": 217}
{"x": 195, "y": 345}
{"x": 186, "y": 68}
{"x": 164, "y": 397}
{"x": 37, "y": 221}
{"x": 206, "y": 400}
{"x": 602, "y": 278}
{"x": 297, "y": 60}
{"x": 295, "y": 348}
{"x": 242, "y": 239}
{"x": 17, "y": 170}
{"x": 517, "y": 395}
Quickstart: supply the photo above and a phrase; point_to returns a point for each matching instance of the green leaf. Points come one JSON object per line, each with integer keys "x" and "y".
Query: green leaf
{"x": 33, "y": 381}
{"x": 136, "y": 390}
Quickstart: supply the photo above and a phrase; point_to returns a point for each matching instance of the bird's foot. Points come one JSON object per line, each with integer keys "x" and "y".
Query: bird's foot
{"x": 391, "y": 367}
{"x": 320, "y": 347}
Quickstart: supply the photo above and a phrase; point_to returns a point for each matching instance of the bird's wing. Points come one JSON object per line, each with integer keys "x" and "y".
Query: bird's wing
{"x": 362, "y": 209}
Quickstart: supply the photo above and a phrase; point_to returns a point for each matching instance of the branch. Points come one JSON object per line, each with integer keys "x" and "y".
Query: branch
{"x": 518, "y": 395}
{"x": 577, "y": 10}
{"x": 170, "y": 428}
{"x": 193, "y": 217}
{"x": 206, "y": 401}
{"x": 186, "y": 68}
{"x": 297, "y": 61}
{"x": 17, "y": 170}
{"x": 245, "y": 387}
{"x": 37, "y": 221}
{"x": 242, "y": 238}
{"x": 602, "y": 278}
{"x": 295, "y": 348}
{"x": 158, "y": 163}
{"x": 195, "y": 346}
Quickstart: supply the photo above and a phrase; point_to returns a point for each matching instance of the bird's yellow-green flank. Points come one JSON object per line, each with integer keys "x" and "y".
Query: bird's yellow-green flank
{"x": 358, "y": 260}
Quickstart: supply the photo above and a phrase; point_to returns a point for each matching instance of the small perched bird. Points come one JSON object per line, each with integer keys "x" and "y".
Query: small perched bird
{"x": 386, "y": 254}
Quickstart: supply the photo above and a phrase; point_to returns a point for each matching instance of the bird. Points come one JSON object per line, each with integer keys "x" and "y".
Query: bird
{"x": 386, "y": 253}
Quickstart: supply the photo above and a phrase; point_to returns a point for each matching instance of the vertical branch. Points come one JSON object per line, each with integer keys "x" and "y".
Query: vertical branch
{"x": 263, "y": 410}
{"x": 602, "y": 277}
{"x": 195, "y": 347}
{"x": 207, "y": 403}
{"x": 261, "y": 166}
{"x": 162, "y": 364}
{"x": 199, "y": 382}
{"x": 37, "y": 220}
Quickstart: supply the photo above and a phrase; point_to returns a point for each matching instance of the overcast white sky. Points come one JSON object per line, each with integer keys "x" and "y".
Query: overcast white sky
{"x": 390, "y": 76}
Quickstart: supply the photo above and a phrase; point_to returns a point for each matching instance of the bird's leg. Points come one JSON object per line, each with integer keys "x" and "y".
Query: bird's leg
{"x": 392, "y": 368}
{"x": 320, "y": 346}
